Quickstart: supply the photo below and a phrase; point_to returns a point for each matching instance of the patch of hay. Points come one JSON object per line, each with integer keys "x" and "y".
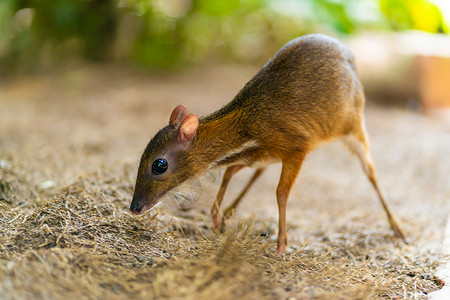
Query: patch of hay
{"x": 83, "y": 243}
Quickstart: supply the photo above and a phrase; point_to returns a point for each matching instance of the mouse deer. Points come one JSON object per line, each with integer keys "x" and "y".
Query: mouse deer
{"x": 308, "y": 93}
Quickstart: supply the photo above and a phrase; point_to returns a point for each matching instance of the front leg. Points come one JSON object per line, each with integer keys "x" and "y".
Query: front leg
{"x": 215, "y": 208}
{"x": 289, "y": 172}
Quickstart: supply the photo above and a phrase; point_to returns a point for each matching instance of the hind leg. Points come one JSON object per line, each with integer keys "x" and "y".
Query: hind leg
{"x": 357, "y": 142}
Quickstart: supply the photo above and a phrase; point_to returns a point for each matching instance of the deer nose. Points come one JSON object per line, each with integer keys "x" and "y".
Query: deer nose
{"x": 135, "y": 208}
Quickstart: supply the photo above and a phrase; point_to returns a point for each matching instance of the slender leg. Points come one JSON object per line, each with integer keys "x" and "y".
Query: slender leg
{"x": 393, "y": 221}
{"x": 230, "y": 209}
{"x": 215, "y": 208}
{"x": 358, "y": 144}
{"x": 289, "y": 172}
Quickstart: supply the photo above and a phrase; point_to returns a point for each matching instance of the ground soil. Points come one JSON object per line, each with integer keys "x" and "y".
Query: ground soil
{"x": 70, "y": 146}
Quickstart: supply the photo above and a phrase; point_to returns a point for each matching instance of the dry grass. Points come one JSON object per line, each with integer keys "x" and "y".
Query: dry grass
{"x": 66, "y": 179}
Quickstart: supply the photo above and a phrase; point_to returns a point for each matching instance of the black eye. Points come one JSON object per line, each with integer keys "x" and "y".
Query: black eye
{"x": 159, "y": 166}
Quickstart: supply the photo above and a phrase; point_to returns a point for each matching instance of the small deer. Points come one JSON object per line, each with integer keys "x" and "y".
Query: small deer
{"x": 307, "y": 94}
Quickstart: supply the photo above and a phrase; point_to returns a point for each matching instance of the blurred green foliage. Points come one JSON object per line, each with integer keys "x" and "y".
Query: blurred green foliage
{"x": 413, "y": 14}
{"x": 167, "y": 33}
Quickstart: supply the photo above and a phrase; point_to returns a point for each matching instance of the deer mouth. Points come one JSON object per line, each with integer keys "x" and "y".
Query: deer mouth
{"x": 141, "y": 204}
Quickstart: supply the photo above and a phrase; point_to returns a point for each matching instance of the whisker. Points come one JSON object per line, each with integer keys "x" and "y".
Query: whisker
{"x": 162, "y": 206}
{"x": 183, "y": 201}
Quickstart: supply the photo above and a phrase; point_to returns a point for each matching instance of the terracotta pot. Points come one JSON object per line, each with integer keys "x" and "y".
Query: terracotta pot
{"x": 434, "y": 82}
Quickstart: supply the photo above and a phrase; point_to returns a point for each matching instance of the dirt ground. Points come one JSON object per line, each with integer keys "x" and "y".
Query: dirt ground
{"x": 70, "y": 145}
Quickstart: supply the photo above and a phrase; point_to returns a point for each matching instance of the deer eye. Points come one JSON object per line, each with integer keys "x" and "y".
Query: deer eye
{"x": 159, "y": 166}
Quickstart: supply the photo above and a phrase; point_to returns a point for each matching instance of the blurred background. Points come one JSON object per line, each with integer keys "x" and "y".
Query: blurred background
{"x": 170, "y": 33}
{"x": 390, "y": 37}
{"x": 84, "y": 85}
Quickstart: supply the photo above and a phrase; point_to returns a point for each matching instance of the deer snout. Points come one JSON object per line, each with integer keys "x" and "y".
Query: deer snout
{"x": 135, "y": 208}
{"x": 138, "y": 205}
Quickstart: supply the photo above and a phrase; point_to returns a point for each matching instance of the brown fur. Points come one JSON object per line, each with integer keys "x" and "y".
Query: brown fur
{"x": 308, "y": 93}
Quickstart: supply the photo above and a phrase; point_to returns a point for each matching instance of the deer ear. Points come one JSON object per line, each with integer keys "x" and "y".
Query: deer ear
{"x": 178, "y": 114}
{"x": 187, "y": 131}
